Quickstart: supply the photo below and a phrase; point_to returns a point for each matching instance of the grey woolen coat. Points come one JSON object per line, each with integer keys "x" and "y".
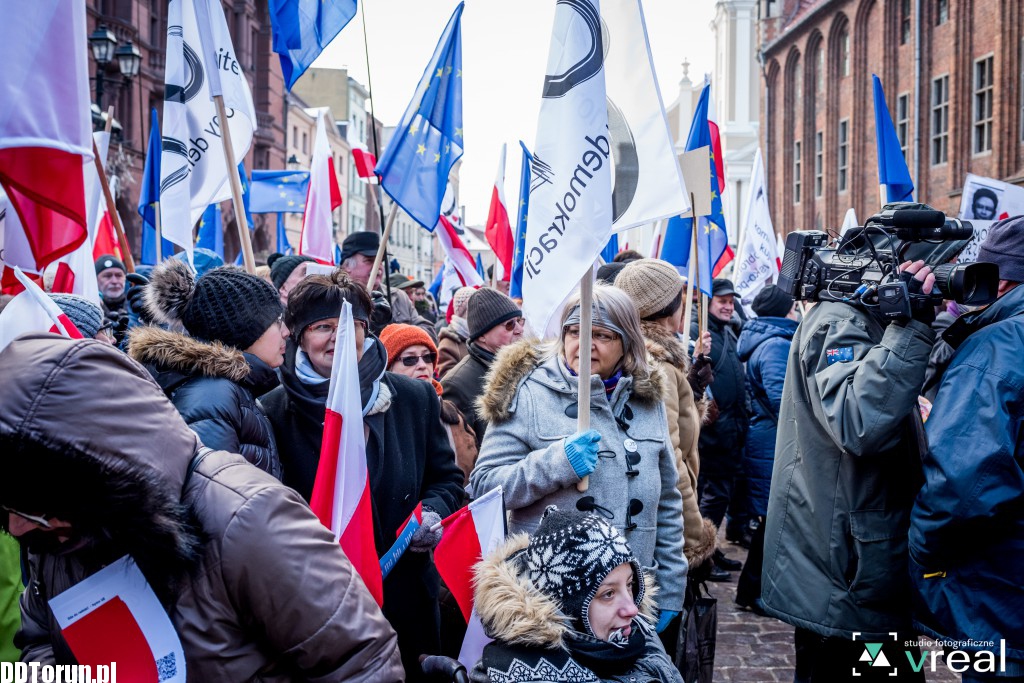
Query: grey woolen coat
{"x": 525, "y": 403}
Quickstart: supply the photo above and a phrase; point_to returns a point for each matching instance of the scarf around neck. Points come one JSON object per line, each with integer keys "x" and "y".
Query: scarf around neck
{"x": 460, "y": 325}
{"x": 605, "y": 658}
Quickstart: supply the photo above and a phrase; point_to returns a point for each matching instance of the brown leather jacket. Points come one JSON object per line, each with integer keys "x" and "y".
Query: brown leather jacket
{"x": 270, "y": 596}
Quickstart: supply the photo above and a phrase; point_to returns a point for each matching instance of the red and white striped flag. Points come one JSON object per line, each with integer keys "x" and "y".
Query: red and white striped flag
{"x": 33, "y": 311}
{"x": 45, "y": 131}
{"x": 341, "y": 491}
{"x": 499, "y": 230}
{"x": 322, "y": 198}
{"x": 470, "y": 535}
{"x": 461, "y": 259}
{"x": 365, "y": 162}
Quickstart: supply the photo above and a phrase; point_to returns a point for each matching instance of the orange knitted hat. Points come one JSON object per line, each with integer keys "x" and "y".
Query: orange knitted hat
{"x": 398, "y": 337}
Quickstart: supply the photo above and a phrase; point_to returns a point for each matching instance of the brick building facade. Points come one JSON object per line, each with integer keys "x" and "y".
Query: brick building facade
{"x": 953, "y": 74}
{"x": 144, "y": 23}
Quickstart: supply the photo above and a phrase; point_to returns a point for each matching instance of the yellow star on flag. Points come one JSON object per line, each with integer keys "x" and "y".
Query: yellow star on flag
{"x": 414, "y": 127}
{"x": 447, "y": 147}
{"x": 282, "y": 194}
{"x": 706, "y": 229}
{"x": 437, "y": 158}
{"x": 458, "y": 132}
{"x": 714, "y": 195}
{"x": 291, "y": 202}
{"x": 420, "y": 149}
{"x": 281, "y": 187}
{"x": 714, "y": 227}
{"x": 448, "y": 70}
{"x": 439, "y": 72}
{"x": 458, "y": 74}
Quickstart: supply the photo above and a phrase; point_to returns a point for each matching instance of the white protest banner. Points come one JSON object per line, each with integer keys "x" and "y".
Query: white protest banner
{"x": 646, "y": 182}
{"x": 985, "y": 201}
{"x": 570, "y": 217}
{"x": 193, "y": 170}
{"x": 757, "y": 263}
{"x": 115, "y": 617}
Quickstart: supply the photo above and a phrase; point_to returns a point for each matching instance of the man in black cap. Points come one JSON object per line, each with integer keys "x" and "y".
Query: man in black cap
{"x": 357, "y": 254}
{"x": 494, "y": 322}
{"x": 721, "y": 442}
{"x": 110, "y": 277}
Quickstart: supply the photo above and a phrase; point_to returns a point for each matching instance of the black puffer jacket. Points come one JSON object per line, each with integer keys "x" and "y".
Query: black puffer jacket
{"x": 215, "y": 388}
{"x": 725, "y": 437}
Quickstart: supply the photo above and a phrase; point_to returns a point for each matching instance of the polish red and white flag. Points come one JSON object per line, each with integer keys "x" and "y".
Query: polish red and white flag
{"x": 365, "y": 162}
{"x": 322, "y": 198}
{"x": 341, "y": 490}
{"x": 33, "y": 311}
{"x": 45, "y": 129}
{"x": 499, "y": 230}
{"x": 456, "y": 251}
{"x": 470, "y": 535}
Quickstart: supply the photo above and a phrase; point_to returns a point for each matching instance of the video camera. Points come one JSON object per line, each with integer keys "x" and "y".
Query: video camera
{"x": 864, "y": 265}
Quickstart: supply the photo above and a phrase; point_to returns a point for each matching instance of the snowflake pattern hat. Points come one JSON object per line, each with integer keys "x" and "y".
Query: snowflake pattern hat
{"x": 569, "y": 556}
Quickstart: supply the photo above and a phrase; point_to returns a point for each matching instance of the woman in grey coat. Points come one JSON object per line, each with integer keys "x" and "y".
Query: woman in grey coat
{"x": 533, "y": 451}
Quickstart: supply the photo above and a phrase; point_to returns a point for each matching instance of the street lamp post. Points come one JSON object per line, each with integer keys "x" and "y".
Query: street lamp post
{"x": 104, "y": 48}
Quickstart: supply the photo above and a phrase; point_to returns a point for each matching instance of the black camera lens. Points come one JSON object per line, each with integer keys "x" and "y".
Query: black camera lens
{"x": 973, "y": 284}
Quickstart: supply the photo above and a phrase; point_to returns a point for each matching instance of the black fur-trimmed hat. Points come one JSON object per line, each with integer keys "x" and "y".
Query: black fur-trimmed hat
{"x": 226, "y": 304}
{"x": 569, "y": 556}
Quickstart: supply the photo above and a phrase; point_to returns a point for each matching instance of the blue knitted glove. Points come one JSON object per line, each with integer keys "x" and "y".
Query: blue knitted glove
{"x": 581, "y": 449}
{"x": 664, "y": 619}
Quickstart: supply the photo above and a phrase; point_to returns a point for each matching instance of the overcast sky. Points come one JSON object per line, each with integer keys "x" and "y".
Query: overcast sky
{"x": 504, "y": 52}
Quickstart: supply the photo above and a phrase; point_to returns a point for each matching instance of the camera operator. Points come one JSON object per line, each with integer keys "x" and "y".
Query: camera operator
{"x": 847, "y": 468}
{"x": 967, "y": 525}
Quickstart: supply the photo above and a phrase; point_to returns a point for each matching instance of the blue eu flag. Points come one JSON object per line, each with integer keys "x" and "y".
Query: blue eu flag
{"x": 303, "y": 28}
{"x": 712, "y": 241}
{"x": 283, "y": 246}
{"x": 892, "y": 166}
{"x": 245, "y": 195}
{"x": 211, "y": 230}
{"x": 278, "y": 191}
{"x": 516, "y": 283}
{"x": 150, "y": 195}
{"x": 414, "y": 168}
{"x": 610, "y": 249}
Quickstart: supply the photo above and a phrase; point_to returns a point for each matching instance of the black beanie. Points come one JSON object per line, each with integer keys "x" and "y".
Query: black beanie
{"x": 570, "y": 554}
{"x": 231, "y": 306}
{"x": 282, "y": 266}
{"x": 488, "y": 308}
{"x": 109, "y": 261}
{"x": 772, "y": 302}
{"x": 1004, "y": 246}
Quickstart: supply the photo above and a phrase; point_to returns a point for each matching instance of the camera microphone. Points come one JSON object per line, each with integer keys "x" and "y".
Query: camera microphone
{"x": 910, "y": 219}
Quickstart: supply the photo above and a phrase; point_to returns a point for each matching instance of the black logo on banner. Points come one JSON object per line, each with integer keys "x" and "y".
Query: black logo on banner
{"x": 557, "y": 85}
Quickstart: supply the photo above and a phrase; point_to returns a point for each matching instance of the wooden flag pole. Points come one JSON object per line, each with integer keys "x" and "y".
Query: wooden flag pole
{"x": 691, "y": 281}
{"x": 583, "y": 376}
{"x": 236, "y": 187}
{"x": 122, "y": 241}
{"x": 383, "y": 245}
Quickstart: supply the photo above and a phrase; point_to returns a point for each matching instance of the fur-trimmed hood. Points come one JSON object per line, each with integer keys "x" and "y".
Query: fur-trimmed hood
{"x": 515, "y": 364}
{"x": 177, "y": 352}
{"x": 664, "y": 346}
{"x": 514, "y": 611}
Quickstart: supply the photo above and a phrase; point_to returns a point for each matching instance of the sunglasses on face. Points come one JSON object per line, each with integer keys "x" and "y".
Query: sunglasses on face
{"x": 510, "y": 325}
{"x": 412, "y": 361}
{"x": 35, "y": 519}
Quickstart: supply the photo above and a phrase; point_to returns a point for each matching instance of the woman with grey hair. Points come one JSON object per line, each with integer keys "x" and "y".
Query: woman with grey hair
{"x": 533, "y": 451}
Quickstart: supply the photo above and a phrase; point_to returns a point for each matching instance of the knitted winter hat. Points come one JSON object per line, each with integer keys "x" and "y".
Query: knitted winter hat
{"x": 398, "y": 337}
{"x": 460, "y": 299}
{"x": 109, "y": 261}
{"x": 1004, "y": 246}
{"x": 569, "y": 556}
{"x": 87, "y": 316}
{"x": 282, "y": 266}
{"x": 772, "y": 302}
{"x": 226, "y": 304}
{"x": 651, "y": 283}
{"x": 488, "y": 308}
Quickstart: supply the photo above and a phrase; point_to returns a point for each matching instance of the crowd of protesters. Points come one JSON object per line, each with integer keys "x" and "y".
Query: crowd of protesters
{"x": 186, "y": 429}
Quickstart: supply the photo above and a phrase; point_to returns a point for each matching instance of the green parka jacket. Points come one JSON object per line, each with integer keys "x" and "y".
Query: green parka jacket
{"x": 847, "y": 469}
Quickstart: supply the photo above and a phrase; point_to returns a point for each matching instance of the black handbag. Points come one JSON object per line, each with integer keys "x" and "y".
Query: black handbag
{"x": 695, "y": 653}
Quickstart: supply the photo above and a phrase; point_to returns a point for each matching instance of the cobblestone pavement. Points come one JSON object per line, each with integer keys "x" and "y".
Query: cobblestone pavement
{"x": 753, "y": 649}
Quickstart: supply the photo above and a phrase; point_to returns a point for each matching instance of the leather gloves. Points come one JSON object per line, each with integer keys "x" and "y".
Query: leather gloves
{"x": 700, "y": 375}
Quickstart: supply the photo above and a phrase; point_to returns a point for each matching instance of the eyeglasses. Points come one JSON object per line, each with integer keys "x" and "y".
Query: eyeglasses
{"x": 331, "y": 329}
{"x": 510, "y": 325}
{"x": 35, "y": 519}
{"x": 412, "y": 361}
{"x": 599, "y": 335}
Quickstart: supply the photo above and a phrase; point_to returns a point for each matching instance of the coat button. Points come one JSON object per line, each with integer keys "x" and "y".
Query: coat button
{"x": 629, "y": 445}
